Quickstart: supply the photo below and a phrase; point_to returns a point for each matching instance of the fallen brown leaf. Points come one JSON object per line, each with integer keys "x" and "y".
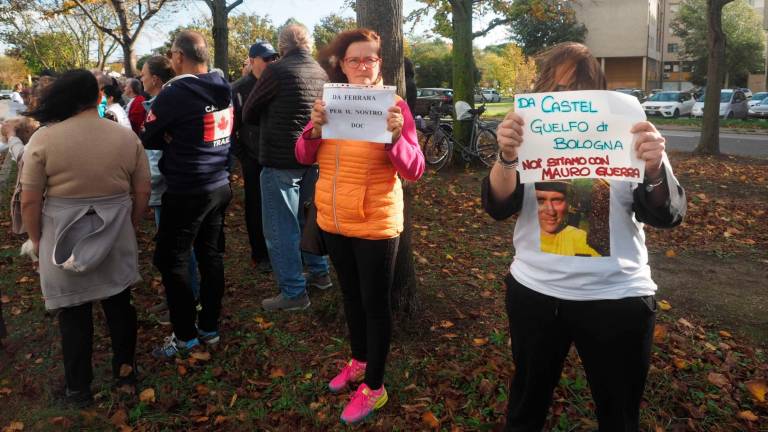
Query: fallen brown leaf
{"x": 147, "y": 396}
{"x": 276, "y": 373}
{"x": 119, "y": 418}
{"x": 201, "y": 355}
{"x": 430, "y": 420}
{"x": 480, "y": 341}
{"x": 747, "y": 415}
{"x": 717, "y": 379}
{"x": 758, "y": 389}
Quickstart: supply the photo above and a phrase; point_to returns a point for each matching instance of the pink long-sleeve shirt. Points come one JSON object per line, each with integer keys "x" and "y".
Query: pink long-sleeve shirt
{"x": 405, "y": 154}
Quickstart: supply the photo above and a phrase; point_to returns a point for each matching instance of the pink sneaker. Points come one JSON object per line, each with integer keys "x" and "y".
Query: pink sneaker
{"x": 364, "y": 402}
{"x": 353, "y": 371}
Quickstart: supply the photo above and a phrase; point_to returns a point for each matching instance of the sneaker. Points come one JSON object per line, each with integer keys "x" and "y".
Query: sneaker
{"x": 364, "y": 402}
{"x": 353, "y": 371}
{"x": 281, "y": 302}
{"x": 164, "y": 318}
{"x": 319, "y": 281}
{"x": 208, "y": 338}
{"x": 172, "y": 347}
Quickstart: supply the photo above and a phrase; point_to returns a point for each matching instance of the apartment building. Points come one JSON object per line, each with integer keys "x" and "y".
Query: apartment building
{"x": 634, "y": 43}
{"x": 627, "y": 37}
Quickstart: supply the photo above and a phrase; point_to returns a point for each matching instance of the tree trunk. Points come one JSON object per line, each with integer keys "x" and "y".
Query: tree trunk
{"x": 129, "y": 57}
{"x": 385, "y": 17}
{"x": 463, "y": 65}
{"x": 709, "y": 143}
{"x": 220, "y": 35}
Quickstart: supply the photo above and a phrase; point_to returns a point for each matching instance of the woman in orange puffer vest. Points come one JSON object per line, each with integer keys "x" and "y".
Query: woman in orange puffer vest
{"x": 359, "y": 202}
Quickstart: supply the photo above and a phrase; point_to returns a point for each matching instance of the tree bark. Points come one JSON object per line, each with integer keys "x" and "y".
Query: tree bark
{"x": 385, "y": 17}
{"x": 709, "y": 143}
{"x": 463, "y": 64}
{"x": 220, "y": 33}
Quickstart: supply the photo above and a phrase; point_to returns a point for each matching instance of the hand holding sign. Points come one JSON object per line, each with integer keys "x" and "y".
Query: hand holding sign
{"x": 650, "y": 147}
{"x": 581, "y": 134}
{"x": 359, "y": 112}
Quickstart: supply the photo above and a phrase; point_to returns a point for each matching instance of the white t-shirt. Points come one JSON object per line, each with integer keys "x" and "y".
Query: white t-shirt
{"x": 122, "y": 117}
{"x": 16, "y": 97}
{"x": 622, "y": 269}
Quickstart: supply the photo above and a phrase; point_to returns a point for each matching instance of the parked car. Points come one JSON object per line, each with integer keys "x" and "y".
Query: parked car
{"x": 639, "y": 94}
{"x": 427, "y": 97}
{"x": 760, "y": 111}
{"x": 733, "y": 104}
{"x": 747, "y": 92}
{"x": 491, "y": 95}
{"x": 5, "y": 94}
{"x": 669, "y": 104}
{"x": 653, "y": 92}
{"x": 757, "y": 98}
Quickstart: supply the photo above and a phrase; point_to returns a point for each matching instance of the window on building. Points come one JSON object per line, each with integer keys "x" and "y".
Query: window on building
{"x": 687, "y": 67}
{"x": 676, "y": 68}
{"x": 672, "y": 48}
{"x": 667, "y": 67}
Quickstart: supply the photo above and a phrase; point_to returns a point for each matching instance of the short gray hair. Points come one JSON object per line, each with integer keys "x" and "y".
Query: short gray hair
{"x": 192, "y": 45}
{"x": 294, "y": 36}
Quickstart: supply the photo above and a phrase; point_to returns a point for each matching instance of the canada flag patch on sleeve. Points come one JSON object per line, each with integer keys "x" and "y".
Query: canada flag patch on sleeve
{"x": 217, "y": 127}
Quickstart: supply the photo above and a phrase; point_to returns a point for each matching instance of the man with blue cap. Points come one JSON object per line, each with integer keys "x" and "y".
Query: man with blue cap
{"x": 246, "y": 148}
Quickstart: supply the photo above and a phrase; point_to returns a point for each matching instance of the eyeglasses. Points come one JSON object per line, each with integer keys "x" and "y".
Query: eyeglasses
{"x": 356, "y": 62}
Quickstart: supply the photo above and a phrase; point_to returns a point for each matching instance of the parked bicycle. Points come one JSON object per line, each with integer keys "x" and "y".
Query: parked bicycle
{"x": 439, "y": 140}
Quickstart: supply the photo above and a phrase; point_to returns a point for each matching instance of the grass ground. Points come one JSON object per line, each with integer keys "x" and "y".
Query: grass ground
{"x": 450, "y": 364}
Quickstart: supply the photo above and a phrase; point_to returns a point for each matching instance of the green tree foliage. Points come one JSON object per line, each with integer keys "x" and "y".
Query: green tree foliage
{"x": 507, "y": 68}
{"x": 433, "y": 62}
{"x": 12, "y": 71}
{"x": 329, "y": 27}
{"x": 540, "y": 24}
{"x": 244, "y": 30}
{"x": 745, "y": 39}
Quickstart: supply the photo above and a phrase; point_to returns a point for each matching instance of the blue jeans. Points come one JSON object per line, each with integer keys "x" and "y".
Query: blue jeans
{"x": 194, "y": 280}
{"x": 283, "y": 194}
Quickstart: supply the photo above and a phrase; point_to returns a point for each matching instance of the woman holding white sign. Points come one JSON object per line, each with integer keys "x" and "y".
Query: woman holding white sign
{"x": 560, "y": 293}
{"x": 359, "y": 201}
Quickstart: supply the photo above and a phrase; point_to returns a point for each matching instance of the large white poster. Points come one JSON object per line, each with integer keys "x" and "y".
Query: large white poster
{"x": 357, "y": 112}
{"x": 579, "y": 134}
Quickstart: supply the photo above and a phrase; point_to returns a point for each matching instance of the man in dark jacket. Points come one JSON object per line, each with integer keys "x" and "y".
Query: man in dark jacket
{"x": 246, "y": 148}
{"x": 281, "y": 103}
{"x": 191, "y": 122}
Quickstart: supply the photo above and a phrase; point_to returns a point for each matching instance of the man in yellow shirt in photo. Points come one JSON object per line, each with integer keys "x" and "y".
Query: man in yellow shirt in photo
{"x": 557, "y": 237}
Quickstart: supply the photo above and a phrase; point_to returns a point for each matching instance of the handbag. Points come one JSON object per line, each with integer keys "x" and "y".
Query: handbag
{"x": 311, "y": 237}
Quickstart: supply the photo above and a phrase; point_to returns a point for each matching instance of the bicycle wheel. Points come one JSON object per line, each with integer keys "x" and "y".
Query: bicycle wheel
{"x": 487, "y": 147}
{"x": 437, "y": 151}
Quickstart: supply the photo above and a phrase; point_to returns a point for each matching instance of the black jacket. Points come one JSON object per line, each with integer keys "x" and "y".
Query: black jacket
{"x": 281, "y": 103}
{"x": 245, "y": 136}
{"x": 191, "y": 122}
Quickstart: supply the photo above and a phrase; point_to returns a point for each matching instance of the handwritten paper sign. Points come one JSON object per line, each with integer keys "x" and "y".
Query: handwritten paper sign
{"x": 357, "y": 112}
{"x": 579, "y": 134}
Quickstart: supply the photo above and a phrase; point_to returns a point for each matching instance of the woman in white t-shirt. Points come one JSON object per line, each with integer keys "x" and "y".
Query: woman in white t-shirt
{"x": 114, "y": 110}
{"x": 580, "y": 273}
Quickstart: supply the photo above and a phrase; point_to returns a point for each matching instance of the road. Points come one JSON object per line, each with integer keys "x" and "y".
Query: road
{"x": 730, "y": 143}
{"x": 7, "y": 108}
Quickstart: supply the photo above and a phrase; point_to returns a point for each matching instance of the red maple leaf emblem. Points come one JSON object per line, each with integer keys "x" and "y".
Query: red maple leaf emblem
{"x": 223, "y": 123}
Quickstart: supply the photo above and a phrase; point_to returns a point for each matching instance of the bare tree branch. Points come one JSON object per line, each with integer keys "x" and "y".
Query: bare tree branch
{"x": 492, "y": 25}
{"x": 90, "y": 17}
{"x": 234, "y": 5}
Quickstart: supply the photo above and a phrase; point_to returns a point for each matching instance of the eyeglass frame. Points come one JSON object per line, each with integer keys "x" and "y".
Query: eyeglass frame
{"x": 361, "y": 60}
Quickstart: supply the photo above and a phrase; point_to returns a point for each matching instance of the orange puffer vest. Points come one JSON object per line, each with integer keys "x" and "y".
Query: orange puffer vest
{"x": 358, "y": 193}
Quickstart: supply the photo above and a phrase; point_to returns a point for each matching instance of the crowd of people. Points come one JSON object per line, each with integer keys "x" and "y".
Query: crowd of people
{"x": 312, "y": 203}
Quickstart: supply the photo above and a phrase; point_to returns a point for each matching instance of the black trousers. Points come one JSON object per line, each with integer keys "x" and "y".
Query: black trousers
{"x": 252, "y": 189}
{"x": 613, "y": 339}
{"x": 192, "y": 220}
{"x": 365, "y": 269}
{"x": 76, "y": 326}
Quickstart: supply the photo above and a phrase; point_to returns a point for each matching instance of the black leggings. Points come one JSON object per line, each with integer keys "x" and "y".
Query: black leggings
{"x": 76, "y": 325}
{"x": 613, "y": 338}
{"x": 365, "y": 269}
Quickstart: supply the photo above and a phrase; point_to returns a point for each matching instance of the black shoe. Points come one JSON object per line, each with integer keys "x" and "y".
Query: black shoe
{"x": 261, "y": 265}
{"x": 76, "y": 398}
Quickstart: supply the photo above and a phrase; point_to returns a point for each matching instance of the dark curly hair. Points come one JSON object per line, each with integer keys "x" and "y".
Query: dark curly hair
{"x": 71, "y": 93}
